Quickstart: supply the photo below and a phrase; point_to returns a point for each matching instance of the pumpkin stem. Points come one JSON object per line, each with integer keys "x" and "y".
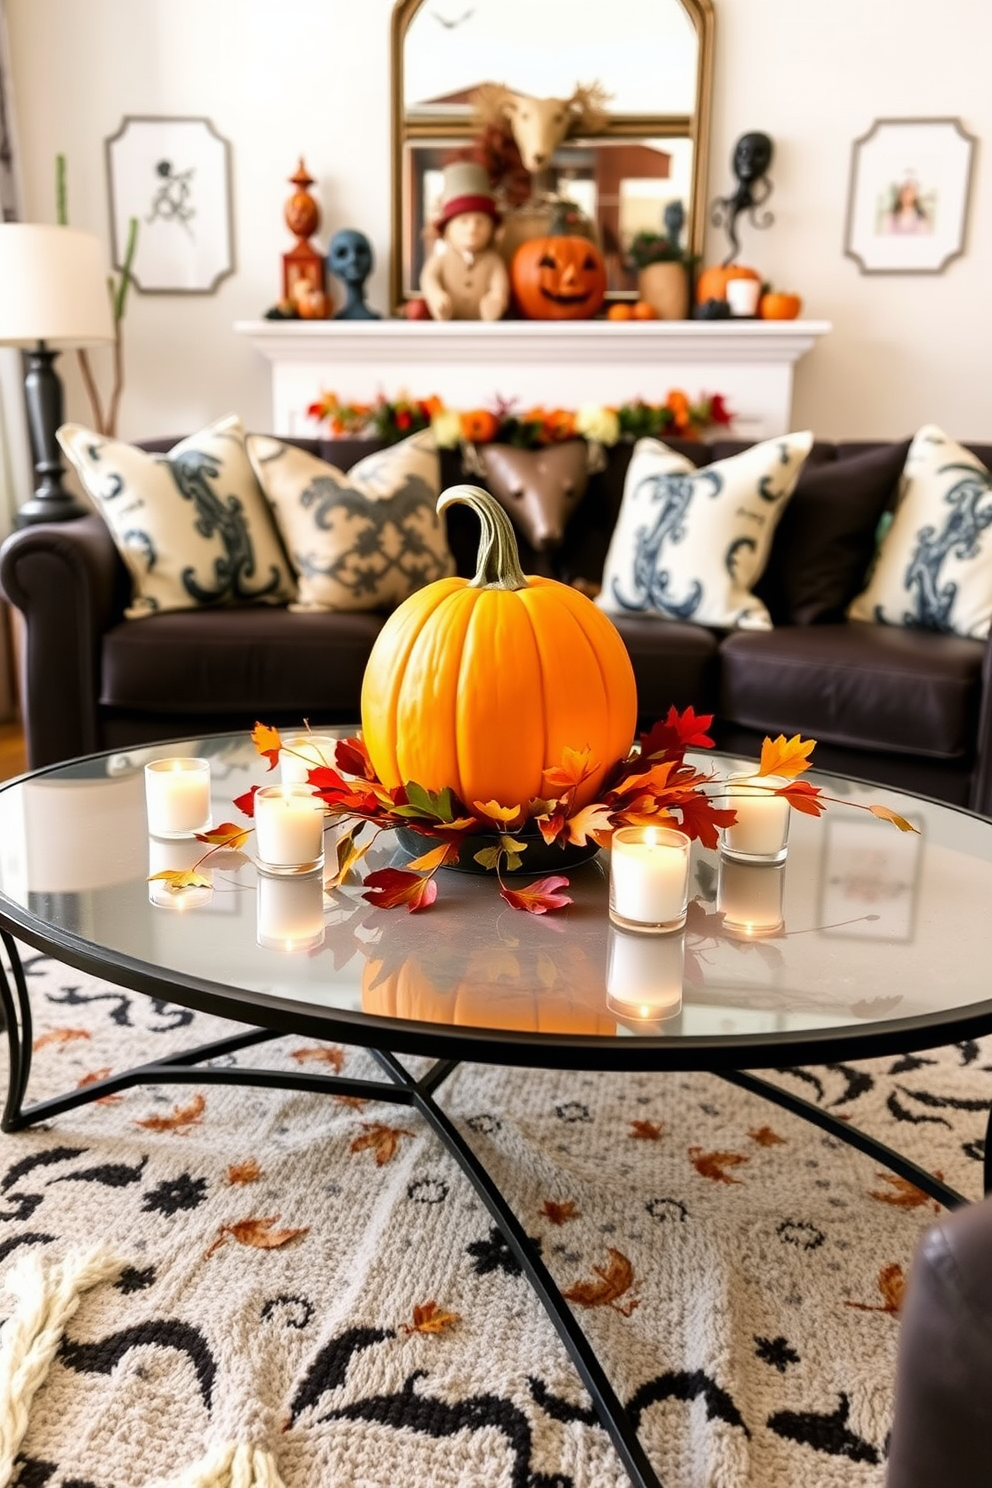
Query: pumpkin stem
{"x": 498, "y": 564}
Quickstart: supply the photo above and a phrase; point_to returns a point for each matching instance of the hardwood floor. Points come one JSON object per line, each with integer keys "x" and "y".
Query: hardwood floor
{"x": 13, "y": 758}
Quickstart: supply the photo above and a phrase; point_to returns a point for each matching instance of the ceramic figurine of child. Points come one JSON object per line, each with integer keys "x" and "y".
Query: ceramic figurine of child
{"x": 465, "y": 277}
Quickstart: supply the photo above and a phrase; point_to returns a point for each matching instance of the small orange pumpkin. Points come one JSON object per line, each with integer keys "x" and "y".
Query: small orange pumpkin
{"x": 481, "y": 684}
{"x": 558, "y": 277}
{"x": 620, "y": 310}
{"x": 777, "y": 305}
{"x": 643, "y": 311}
{"x": 712, "y": 282}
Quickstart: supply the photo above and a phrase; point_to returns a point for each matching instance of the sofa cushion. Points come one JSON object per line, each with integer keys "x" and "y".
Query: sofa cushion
{"x": 855, "y": 684}
{"x": 192, "y": 526}
{"x": 250, "y": 661}
{"x": 934, "y": 568}
{"x": 825, "y": 542}
{"x": 689, "y": 543}
{"x": 364, "y": 540}
{"x": 674, "y": 662}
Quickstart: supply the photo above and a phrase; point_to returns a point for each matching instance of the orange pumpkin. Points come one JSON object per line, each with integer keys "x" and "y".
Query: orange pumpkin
{"x": 643, "y": 311}
{"x": 620, "y": 310}
{"x": 779, "y": 306}
{"x": 558, "y": 277}
{"x": 712, "y": 282}
{"x": 481, "y": 684}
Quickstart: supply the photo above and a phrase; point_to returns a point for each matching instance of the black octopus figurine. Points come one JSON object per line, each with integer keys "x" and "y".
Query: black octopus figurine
{"x": 751, "y": 159}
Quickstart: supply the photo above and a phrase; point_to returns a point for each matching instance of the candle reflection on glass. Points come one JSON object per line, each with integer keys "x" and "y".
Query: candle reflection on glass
{"x": 289, "y": 829}
{"x": 644, "y": 976}
{"x": 175, "y": 856}
{"x": 750, "y": 897}
{"x": 290, "y": 912}
{"x": 177, "y": 796}
{"x": 649, "y": 878}
{"x": 302, "y": 753}
{"x": 761, "y": 831}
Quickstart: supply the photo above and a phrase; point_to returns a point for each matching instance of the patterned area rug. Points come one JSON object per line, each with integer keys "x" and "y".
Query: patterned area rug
{"x": 314, "y": 1277}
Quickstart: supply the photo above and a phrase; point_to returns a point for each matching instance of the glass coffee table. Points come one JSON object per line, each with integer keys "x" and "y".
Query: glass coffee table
{"x": 865, "y": 941}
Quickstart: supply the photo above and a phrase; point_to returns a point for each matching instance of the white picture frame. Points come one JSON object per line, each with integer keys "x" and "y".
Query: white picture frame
{"x": 908, "y": 197}
{"x": 173, "y": 176}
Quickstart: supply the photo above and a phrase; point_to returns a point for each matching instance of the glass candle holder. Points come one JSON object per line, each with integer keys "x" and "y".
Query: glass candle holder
{"x": 761, "y": 831}
{"x": 649, "y": 879}
{"x": 302, "y": 753}
{"x": 290, "y": 912}
{"x": 644, "y": 976}
{"x": 176, "y": 855}
{"x": 177, "y": 796}
{"x": 289, "y": 829}
{"x": 750, "y": 897}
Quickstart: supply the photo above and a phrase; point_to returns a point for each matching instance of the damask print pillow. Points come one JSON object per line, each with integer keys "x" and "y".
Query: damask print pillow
{"x": 193, "y": 526}
{"x": 934, "y": 566}
{"x": 364, "y": 540}
{"x": 689, "y": 543}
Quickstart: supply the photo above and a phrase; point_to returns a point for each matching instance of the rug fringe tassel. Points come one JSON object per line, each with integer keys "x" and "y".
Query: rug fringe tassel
{"x": 46, "y": 1296}
{"x": 229, "y": 1466}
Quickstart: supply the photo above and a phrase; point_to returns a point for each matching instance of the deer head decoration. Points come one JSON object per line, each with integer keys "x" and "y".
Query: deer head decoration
{"x": 539, "y": 125}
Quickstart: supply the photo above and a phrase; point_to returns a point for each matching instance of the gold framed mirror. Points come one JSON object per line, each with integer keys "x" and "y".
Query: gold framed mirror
{"x": 654, "y": 58}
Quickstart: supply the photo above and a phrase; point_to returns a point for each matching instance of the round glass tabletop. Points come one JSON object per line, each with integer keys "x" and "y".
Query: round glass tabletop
{"x": 864, "y": 939}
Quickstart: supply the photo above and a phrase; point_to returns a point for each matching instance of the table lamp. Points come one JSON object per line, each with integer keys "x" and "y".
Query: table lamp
{"x": 53, "y": 295}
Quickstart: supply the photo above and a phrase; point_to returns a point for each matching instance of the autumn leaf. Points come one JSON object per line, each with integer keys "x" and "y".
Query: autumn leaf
{"x": 712, "y": 1164}
{"x": 258, "y": 1233}
{"x": 576, "y": 765}
{"x": 647, "y": 1131}
{"x": 540, "y": 897}
{"x": 892, "y": 1285}
{"x": 246, "y": 1172}
{"x": 246, "y": 803}
{"x": 428, "y": 1318}
{"x": 94, "y": 1079}
{"x": 615, "y": 1278}
{"x": 765, "y": 1137}
{"x": 560, "y": 1213}
{"x": 347, "y": 854}
{"x": 352, "y": 757}
{"x": 679, "y": 732}
{"x": 493, "y": 811}
{"x": 356, "y": 1102}
{"x": 60, "y": 1037}
{"x": 182, "y": 878}
{"x": 803, "y": 797}
{"x": 551, "y": 821}
{"x": 181, "y": 1119}
{"x": 701, "y": 819}
{"x": 784, "y": 756}
{"x": 320, "y": 1054}
{"x": 388, "y": 887}
{"x": 438, "y": 857}
{"x": 382, "y": 1140}
{"x": 885, "y": 814}
{"x": 228, "y": 834}
{"x": 592, "y": 821}
{"x": 904, "y": 1195}
{"x": 268, "y": 743}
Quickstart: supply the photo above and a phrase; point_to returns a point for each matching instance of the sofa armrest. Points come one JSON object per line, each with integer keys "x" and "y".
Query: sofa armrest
{"x": 66, "y": 579}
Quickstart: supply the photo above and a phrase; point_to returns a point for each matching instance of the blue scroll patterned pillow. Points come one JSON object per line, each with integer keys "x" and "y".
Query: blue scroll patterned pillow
{"x": 934, "y": 567}
{"x": 193, "y": 526}
{"x": 689, "y": 544}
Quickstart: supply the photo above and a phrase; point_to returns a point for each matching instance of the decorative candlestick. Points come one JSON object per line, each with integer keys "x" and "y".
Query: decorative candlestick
{"x": 750, "y": 897}
{"x": 649, "y": 878}
{"x": 290, "y": 912}
{"x": 303, "y": 753}
{"x": 761, "y": 832}
{"x": 644, "y": 976}
{"x": 177, "y": 796}
{"x": 303, "y": 284}
{"x": 289, "y": 829}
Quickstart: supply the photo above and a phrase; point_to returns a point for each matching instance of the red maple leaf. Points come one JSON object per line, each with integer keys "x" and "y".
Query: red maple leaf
{"x": 803, "y": 796}
{"x": 679, "y": 732}
{"x": 352, "y": 757}
{"x": 539, "y": 897}
{"x": 246, "y": 803}
{"x": 388, "y": 887}
{"x": 700, "y": 818}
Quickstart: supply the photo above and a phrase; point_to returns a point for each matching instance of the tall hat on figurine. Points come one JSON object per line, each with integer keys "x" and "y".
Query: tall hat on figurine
{"x": 466, "y": 188}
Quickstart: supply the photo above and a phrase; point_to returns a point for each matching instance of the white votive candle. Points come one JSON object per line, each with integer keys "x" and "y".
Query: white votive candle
{"x": 761, "y": 831}
{"x": 177, "y": 796}
{"x": 743, "y": 296}
{"x": 750, "y": 897}
{"x": 290, "y": 912}
{"x": 644, "y": 975}
{"x": 165, "y": 855}
{"x": 289, "y": 829}
{"x": 303, "y": 753}
{"x": 649, "y": 878}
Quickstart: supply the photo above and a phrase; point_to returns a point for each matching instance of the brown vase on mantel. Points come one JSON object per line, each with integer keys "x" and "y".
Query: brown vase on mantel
{"x": 665, "y": 287}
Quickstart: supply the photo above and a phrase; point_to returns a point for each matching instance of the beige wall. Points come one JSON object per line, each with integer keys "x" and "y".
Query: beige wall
{"x": 313, "y": 77}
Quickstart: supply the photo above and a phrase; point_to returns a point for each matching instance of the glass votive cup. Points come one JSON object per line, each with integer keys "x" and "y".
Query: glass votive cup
{"x": 289, "y": 829}
{"x": 750, "y": 897}
{"x": 649, "y": 879}
{"x": 177, "y": 796}
{"x": 761, "y": 831}
{"x": 644, "y": 976}
{"x": 302, "y": 753}
{"x": 290, "y": 912}
{"x": 175, "y": 855}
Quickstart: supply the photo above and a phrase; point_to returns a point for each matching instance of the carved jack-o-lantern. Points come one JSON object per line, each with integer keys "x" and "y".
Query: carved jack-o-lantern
{"x": 558, "y": 277}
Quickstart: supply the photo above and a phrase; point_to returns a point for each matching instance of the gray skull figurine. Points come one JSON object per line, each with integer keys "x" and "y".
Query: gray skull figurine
{"x": 349, "y": 258}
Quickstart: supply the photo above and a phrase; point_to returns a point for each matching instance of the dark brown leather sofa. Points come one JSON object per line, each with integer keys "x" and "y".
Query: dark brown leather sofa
{"x": 900, "y": 707}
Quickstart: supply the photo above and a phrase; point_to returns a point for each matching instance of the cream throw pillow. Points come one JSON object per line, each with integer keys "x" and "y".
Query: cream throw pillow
{"x": 934, "y": 567}
{"x": 688, "y": 543}
{"x": 192, "y": 526}
{"x": 364, "y": 540}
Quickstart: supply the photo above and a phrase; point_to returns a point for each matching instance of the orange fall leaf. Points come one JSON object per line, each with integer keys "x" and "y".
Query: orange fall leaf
{"x": 258, "y": 1233}
{"x": 180, "y": 1120}
{"x": 246, "y": 1172}
{"x": 613, "y": 1281}
{"x": 382, "y": 1140}
{"x": 94, "y": 1078}
{"x": 712, "y": 1164}
{"x": 428, "y": 1318}
{"x": 60, "y": 1037}
{"x": 765, "y": 1137}
{"x": 320, "y": 1053}
{"x": 560, "y": 1213}
{"x": 647, "y": 1131}
{"x": 784, "y": 756}
{"x": 892, "y": 1286}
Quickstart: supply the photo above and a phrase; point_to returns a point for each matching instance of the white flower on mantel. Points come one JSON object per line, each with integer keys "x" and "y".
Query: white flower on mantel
{"x": 447, "y": 428}
{"x": 598, "y": 423}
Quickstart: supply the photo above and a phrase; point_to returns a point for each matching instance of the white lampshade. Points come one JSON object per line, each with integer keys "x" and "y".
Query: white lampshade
{"x": 53, "y": 287}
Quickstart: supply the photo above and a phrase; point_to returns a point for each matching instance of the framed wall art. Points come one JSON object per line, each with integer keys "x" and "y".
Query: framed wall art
{"x": 907, "y": 205}
{"x": 173, "y": 176}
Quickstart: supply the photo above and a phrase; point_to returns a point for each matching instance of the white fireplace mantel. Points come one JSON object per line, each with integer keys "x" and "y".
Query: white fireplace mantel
{"x": 470, "y": 364}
